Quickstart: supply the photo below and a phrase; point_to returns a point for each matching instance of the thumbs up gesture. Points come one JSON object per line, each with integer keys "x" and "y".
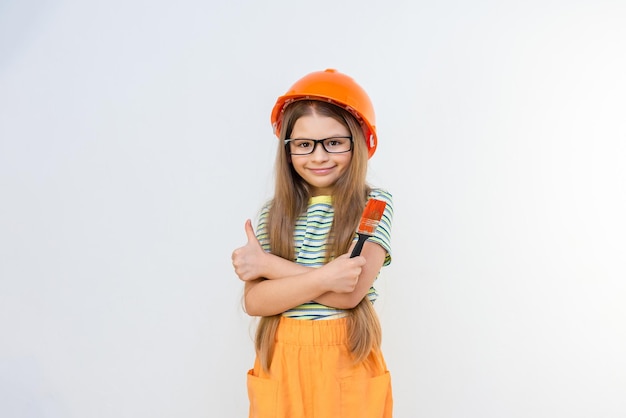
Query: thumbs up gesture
{"x": 248, "y": 260}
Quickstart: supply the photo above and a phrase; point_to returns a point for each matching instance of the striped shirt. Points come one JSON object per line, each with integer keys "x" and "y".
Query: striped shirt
{"x": 310, "y": 238}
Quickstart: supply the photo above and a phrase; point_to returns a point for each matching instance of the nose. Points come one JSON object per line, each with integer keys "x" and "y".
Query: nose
{"x": 319, "y": 153}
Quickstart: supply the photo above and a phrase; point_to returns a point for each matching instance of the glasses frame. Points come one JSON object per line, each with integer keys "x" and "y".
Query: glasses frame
{"x": 321, "y": 142}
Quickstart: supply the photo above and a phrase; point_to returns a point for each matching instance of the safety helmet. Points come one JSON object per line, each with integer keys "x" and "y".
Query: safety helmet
{"x": 331, "y": 86}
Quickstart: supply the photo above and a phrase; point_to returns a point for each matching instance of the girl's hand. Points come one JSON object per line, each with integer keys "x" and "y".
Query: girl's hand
{"x": 342, "y": 274}
{"x": 248, "y": 260}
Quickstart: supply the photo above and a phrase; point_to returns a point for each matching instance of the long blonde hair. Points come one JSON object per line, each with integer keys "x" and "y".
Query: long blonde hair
{"x": 290, "y": 200}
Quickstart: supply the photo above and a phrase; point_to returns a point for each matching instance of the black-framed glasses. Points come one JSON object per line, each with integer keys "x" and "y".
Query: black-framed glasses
{"x": 332, "y": 145}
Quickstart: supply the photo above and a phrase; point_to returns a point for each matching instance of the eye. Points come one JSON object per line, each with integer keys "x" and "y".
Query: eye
{"x": 336, "y": 142}
{"x": 302, "y": 144}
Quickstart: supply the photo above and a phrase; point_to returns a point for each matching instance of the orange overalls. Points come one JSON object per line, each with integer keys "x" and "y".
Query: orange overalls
{"x": 312, "y": 376}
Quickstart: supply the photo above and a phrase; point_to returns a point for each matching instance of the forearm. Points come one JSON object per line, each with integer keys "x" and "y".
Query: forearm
{"x": 375, "y": 256}
{"x": 280, "y": 268}
{"x": 340, "y": 300}
{"x": 277, "y": 267}
{"x": 271, "y": 297}
{"x": 342, "y": 283}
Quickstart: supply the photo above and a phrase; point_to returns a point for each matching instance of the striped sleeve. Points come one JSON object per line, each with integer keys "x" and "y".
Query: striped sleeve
{"x": 382, "y": 234}
{"x": 261, "y": 228}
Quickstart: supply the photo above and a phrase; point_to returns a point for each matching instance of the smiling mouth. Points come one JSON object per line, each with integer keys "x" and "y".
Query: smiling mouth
{"x": 321, "y": 170}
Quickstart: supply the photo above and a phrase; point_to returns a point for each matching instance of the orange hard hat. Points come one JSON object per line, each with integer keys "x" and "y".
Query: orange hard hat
{"x": 337, "y": 88}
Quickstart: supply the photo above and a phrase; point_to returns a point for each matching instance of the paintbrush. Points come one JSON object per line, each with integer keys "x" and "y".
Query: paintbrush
{"x": 369, "y": 221}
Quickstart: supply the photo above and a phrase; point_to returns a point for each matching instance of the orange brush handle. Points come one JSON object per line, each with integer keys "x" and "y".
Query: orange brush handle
{"x": 356, "y": 251}
{"x": 369, "y": 221}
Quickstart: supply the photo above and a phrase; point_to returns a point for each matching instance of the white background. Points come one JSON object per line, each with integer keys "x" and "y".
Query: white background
{"x": 135, "y": 141}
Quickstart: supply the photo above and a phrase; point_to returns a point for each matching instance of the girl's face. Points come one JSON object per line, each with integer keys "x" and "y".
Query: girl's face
{"x": 320, "y": 169}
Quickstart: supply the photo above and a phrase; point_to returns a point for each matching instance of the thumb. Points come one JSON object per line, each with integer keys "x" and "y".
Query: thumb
{"x": 250, "y": 231}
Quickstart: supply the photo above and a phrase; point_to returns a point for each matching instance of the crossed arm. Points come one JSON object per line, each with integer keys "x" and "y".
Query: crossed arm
{"x": 274, "y": 285}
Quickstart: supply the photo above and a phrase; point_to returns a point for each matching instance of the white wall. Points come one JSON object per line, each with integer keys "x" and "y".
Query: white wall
{"x": 135, "y": 141}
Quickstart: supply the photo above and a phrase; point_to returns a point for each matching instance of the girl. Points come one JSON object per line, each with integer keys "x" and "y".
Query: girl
{"x": 318, "y": 340}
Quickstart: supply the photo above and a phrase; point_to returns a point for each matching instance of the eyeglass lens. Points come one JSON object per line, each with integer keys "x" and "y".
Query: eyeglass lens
{"x": 330, "y": 145}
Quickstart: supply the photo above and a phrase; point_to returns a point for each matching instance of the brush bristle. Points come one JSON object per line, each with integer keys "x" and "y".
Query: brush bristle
{"x": 371, "y": 216}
